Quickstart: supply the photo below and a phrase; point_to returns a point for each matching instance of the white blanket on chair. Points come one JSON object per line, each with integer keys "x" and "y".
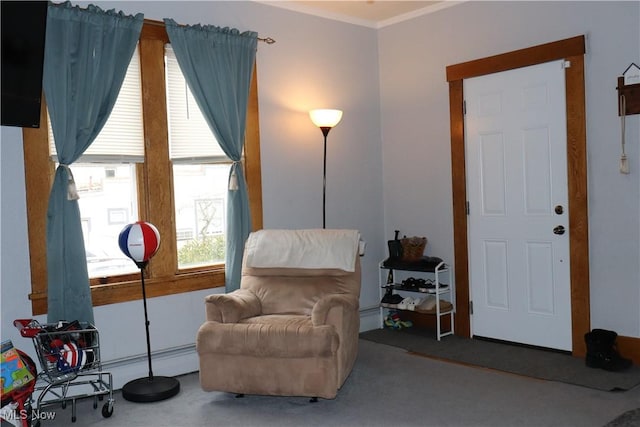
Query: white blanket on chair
{"x": 302, "y": 249}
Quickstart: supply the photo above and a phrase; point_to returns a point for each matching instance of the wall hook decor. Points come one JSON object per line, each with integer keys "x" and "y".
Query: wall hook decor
{"x": 629, "y": 89}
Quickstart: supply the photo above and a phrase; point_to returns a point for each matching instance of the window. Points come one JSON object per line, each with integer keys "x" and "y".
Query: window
{"x": 200, "y": 173}
{"x": 200, "y": 192}
{"x": 107, "y": 203}
{"x": 173, "y": 186}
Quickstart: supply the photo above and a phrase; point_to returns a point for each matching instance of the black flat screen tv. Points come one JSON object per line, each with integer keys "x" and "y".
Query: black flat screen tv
{"x": 23, "y": 36}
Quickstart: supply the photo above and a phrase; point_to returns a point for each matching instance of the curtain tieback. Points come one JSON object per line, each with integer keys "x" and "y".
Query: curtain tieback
{"x": 233, "y": 179}
{"x": 72, "y": 191}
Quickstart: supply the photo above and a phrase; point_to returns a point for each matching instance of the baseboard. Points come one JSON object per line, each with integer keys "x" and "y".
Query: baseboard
{"x": 170, "y": 362}
{"x": 629, "y": 347}
{"x": 370, "y": 318}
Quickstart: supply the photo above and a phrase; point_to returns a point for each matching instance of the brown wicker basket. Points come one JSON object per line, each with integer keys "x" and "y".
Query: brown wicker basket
{"x": 413, "y": 248}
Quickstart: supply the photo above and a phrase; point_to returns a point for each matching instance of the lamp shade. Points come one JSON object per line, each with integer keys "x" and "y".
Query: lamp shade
{"x": 325, "y": 118}
{"x": 139, "y": 241}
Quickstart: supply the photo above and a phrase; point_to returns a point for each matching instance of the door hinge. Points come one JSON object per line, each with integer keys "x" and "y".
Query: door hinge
{"x": 464, "y": 108}
{"x": 566, "y": 64}
{"x": 470, "y": 307}
{"x": 467, "y": 208}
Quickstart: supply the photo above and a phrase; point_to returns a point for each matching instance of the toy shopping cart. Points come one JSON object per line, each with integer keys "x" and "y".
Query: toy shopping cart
{"x": 69, "y": 355}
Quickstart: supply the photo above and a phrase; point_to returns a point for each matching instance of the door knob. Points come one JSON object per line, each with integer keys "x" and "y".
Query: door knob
{"x": 558, "y": 229}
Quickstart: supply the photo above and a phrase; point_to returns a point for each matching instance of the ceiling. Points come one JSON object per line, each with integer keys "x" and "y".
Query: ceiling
{"x": 365, "y": 12}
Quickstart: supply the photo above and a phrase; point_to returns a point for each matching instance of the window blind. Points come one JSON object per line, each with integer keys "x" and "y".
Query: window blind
{"x": 122, "y": 137}
{"x": 190, "y": 138}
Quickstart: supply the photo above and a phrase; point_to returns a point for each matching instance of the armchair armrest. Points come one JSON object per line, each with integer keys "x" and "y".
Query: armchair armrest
{"x": 334, "y": 309}
{"x": 230, "y": 308}
{"x": 342, "y": 312}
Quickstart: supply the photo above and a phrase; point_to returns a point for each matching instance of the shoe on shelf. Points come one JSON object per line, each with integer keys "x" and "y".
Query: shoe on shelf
{"x": 406, "y": 323}
{"x": 413, "y": 284}
{"x": 430, "y": 286}
{"x": 427, "y": 304}
{"x": 413, "y": 304}
{"x": 404, "y": 304}
{"x": 386, "y": 298}
{"x": 409, "y": 283}
{"x": 392, "y": 301}
{"x": 388, "y": 322}
{"x": 393, "y": 320}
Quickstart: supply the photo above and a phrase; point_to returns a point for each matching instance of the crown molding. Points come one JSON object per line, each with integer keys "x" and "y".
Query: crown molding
{"x": 309, "y": 10}
{"x": 419, "y": 12}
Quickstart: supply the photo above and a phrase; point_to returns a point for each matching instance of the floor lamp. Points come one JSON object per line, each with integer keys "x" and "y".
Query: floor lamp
{"x": 325, "y": 119}
{"x": 140, "y": 241}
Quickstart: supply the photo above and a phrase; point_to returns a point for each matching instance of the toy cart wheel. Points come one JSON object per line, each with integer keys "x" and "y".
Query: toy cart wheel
{"x": 95, "y": 403}
{"x": 73, "y": 419}
{"x": 107, "y": 409}
{"x": 64, "y": 404}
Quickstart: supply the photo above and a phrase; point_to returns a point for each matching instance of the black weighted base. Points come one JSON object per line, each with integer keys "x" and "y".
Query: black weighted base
{"x": 150, "y": 389}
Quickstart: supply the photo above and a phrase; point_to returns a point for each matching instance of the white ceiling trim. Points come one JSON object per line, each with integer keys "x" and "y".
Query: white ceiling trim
{"x": 301, "y": 8}
{"x": 424, "y": 11}
{"x": 309, "y": 10}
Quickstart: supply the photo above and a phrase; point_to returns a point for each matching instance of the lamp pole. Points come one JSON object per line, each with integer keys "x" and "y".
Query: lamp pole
{"x": 325, "y": 131}
{"x": 325, "y": 119}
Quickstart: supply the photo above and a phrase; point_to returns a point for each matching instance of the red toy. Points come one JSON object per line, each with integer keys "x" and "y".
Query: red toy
{"x": 28, "y": 328}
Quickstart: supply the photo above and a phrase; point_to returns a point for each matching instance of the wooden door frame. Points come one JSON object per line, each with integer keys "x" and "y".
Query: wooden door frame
{"x": 571, "y": 50}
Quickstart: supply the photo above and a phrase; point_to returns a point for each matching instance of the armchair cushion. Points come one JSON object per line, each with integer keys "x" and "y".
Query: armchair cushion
{"x": 275, "y": 335}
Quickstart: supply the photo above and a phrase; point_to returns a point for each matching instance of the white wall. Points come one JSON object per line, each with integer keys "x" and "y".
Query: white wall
{"x": 416, "y": 138}
{"x": 315, "y": 63}
{"x": 391, "y": 86}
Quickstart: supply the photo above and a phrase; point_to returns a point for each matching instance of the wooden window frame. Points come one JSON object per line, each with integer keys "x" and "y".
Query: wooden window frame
{"x": 155, "y": 195}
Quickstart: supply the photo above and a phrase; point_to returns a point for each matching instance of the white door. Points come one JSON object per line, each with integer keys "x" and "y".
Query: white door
{"x": 517, "y": 192}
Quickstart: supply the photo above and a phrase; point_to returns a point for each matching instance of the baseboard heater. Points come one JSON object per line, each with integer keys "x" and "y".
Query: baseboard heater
{"x": 168, "y": 353}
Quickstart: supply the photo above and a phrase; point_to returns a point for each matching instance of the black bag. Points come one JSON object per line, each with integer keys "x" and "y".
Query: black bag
{"x": 395, "y": 247}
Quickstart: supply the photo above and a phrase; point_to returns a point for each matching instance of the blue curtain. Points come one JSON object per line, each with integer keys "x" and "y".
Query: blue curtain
{"x": 87, "y": 53}
{"x": 218, "y": 64}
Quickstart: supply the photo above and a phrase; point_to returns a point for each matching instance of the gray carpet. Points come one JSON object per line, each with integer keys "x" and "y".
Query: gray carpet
{"x": 388, "y": 387}
{"x": 628, "y": 419}
{"x": 547, "y": 365}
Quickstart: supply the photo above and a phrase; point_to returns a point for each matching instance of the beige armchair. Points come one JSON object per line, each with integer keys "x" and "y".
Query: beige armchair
{"x": 292, "y": 327}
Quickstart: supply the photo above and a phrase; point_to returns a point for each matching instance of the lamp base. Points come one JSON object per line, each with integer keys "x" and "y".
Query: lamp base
{"x": 149, "y": 389}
